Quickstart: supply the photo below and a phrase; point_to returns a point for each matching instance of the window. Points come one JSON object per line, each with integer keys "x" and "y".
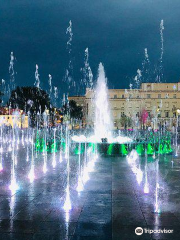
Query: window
{"x": 137, "y": 115}
{"x": 123, "y": 96}
{"x": 167, "y": 95}
{"x": 148, "y": 95}
{"x": 174, "y": 114}
{"x": 149, "y": 87}
{"x": 159, "y": 95}
{"x": 138, "y": 96}
{"x": 174, "y": 95}
{"x": 115, "y": 96}
{"x": 148, "y": 104}
{"x": 166, "y": 114}
{"x": 87, "y": 110}
{"x": 130, "y": 95}
{"x": 122, "y": 114}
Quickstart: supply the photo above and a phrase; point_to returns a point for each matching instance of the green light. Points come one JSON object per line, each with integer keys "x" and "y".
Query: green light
{"x": 110, "y": 149}
{"x": 150, "y": 150}
{"x": 124, "y": 149}
{"x": 140, "y": 149}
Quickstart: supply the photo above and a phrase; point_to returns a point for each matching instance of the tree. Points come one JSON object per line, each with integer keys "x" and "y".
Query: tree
{"x": 144, "y": 117}
{"x": 30, "y": 99}
{"x": 74, "y": 111}
{"x": 125, "y": 121}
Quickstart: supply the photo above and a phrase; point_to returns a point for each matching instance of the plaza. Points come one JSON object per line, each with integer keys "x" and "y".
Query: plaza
{"x": 111, "y": 205}
{"x": 89, "y": 120}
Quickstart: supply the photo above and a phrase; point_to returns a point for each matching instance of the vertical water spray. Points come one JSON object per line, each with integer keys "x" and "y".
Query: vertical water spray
{"x": 3, "y": 90}
{"x": 157, "y": 209}
{"x": 50, "y": 87}
{"x": 69, "y": 71}
{"x": 31, "y": 173}
{"x": 45, "y": 141}
{"x": 12, "y": 72}
{"x": 37, "y": 79}
{"x": 60, "y": 151}
{"x": 87, "y": 81}
{"x": 55, "y": 96}
{"x": 80, "y": 183}
{"x": 54, "y": 150}
{"x": 146, "y": 185}
{"x": 13, "y": 186}
{"x": 69, "y": 32}
{"x": 162, "y": 38}
{"x": 67, "y": 203}
{"x": 137, "y": 79}
{"x": 103, "y": 121}
{"x": 160, "y": 67}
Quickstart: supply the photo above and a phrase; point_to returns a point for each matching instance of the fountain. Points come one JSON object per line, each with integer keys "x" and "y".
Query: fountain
{"x": 103, "y": 122}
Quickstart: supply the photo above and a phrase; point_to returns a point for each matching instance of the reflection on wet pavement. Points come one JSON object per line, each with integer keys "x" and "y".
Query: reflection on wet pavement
{"x": 111, "y": 204}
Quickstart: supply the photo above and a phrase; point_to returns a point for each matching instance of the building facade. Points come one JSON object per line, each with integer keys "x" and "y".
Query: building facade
{"x": 13, "y": 118}
{"x": 160, "y": 101}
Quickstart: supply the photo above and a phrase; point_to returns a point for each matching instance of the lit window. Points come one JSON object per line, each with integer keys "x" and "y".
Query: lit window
{"x": 166, "y": 114}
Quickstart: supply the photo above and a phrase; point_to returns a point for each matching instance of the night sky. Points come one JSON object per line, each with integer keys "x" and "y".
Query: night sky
{"x": 115, "y": 31}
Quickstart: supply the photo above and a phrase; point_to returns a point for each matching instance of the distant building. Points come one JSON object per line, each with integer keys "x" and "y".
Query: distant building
{"x": 160, "y": 100}
{"x": 13, "y": 117}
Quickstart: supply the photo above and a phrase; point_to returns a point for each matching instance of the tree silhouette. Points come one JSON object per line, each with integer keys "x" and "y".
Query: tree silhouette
{"x": 30, "y": 99}
{"x": 71, "y": 109}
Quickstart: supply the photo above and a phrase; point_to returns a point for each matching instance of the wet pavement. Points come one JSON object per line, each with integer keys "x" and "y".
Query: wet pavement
{"x": 111, "y": 206}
